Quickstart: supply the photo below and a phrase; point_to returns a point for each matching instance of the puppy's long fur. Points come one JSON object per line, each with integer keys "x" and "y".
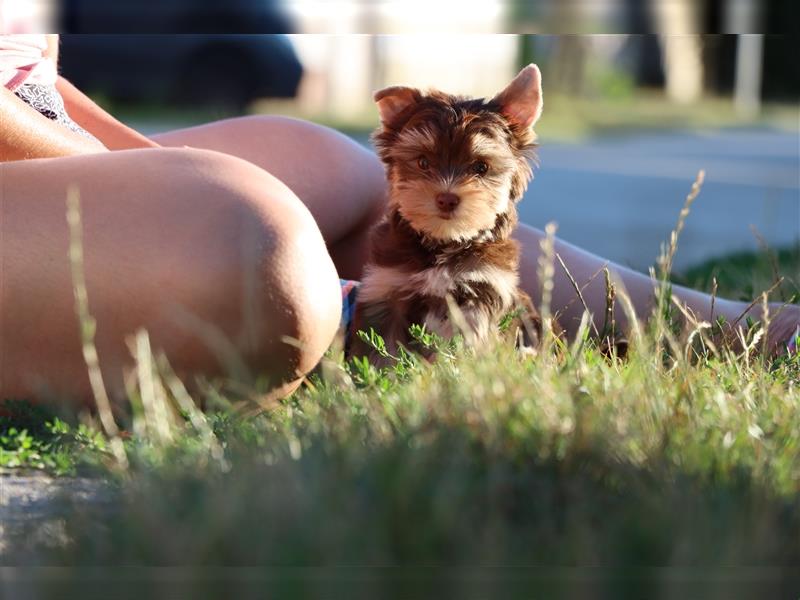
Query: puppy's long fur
{"x": 456, "y": 168}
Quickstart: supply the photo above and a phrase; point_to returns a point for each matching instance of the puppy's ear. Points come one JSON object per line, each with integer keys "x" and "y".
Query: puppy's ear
{"x": 392, "y": 101}
{"x": 521, "y": 102}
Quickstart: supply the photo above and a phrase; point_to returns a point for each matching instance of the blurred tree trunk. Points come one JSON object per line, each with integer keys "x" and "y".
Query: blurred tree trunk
{"x": 747, "y": 91}
{"x": 570, "y": 64}
{"x": 678, "y": 23}
{"x": 569, "y": 59}
{"x": 744, "y": 16}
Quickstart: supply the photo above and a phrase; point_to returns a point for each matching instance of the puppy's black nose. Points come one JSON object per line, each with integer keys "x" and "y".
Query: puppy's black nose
{"x": 447, "y": 202}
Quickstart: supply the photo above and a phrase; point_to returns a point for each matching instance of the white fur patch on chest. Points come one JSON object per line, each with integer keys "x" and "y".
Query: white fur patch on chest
{"x": 382, "y": 284}
{"x": 505, "y": 283}
{"x": 475, "y": 323}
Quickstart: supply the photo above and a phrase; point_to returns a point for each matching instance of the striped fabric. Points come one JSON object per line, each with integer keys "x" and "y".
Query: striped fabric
{"x": 791, "y": 345}
{"x": 349, "y": 294}
{"x": 46, "y": 100}
{"x": 22, "y": 60}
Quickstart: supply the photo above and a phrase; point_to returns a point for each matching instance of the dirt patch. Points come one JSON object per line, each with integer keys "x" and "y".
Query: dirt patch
{"x": 34, "y": 506}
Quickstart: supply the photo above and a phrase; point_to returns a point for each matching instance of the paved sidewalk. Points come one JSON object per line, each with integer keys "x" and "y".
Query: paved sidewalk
{"x": 620, "y": 196}
{"x": 31, "y": 503}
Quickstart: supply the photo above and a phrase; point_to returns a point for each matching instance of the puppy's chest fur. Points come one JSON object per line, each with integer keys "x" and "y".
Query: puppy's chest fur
{"x": 409, "y": 280}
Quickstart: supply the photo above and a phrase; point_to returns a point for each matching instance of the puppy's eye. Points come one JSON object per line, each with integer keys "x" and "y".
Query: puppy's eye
{"x": 480, "y": 168}
{"x": 423, "y": 163}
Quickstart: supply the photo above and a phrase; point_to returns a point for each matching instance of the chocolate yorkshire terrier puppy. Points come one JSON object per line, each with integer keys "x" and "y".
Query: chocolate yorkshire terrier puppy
{"x": 456, "y": 168}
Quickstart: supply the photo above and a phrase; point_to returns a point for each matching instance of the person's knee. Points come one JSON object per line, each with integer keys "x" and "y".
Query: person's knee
{"x": 348, "y": 192}
{"x": 208, "y": 253}
{"x": 271, "y": 279}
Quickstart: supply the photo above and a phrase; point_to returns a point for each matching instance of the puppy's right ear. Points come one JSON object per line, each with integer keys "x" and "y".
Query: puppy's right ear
{"x": 521, "y": 101}
{"x": 392, "y": 101}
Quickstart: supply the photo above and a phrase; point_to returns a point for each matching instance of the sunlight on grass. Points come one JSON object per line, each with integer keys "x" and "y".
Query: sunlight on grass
{"x": 684, "y": 453}
{"x": 569, "y": 118}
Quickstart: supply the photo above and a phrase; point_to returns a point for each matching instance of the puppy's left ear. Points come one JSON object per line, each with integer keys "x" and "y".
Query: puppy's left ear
{"x": 521, "y": 102}
{"x": 392, "y": 101}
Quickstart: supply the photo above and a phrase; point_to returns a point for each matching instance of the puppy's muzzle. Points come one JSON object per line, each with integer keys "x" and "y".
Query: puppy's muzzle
{"x": 447, "y": 202}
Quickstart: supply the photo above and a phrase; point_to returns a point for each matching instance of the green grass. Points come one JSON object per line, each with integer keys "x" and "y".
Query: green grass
{"x": 575, "y": 118}
{"x": 487, "y": 474}
{"x": 744, "y": 275}
{"x": 567, "y": 459}
{"x": 34, "y": 437}
{"x": 568, "y": 118}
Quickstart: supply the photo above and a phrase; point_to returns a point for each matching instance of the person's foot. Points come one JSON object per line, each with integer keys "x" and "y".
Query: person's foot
{"x": 784, "y": 328}
{"x": 782, "y": 333}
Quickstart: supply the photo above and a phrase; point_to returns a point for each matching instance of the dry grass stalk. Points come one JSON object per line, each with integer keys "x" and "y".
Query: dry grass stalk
{"x": 665, "y": 260}
{"x": 579, "y": 293}
{"x": 88, "y": 327}
{"x": 546, "y": 272}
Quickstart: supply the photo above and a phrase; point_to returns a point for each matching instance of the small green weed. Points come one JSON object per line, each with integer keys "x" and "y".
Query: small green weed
{"x": 684, "y": 455}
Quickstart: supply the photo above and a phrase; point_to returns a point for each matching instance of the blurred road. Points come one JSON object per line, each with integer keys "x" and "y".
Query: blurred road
{"x": 620, "y": 196}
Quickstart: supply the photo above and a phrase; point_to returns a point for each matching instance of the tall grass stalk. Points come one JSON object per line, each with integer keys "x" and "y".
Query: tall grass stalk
{"x": 579, "y": 294}
{"x": 661, "y": 319}
{"x": 188, "y": 407}
{"x": 88, "y": 327}
{"x": 668, "y": 253}
{"x": 689, "y": 460}
{"x": 546, "y": 275}
{"x": 157, "y": 412}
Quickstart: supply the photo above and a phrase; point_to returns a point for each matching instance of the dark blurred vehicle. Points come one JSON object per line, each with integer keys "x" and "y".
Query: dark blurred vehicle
{"x": 219, "y": 70}
{"x": 195, "y": 52}
{"x": 173, "y": 16}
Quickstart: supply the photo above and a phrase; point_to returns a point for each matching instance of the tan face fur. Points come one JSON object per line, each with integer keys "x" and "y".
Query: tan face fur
{"x": 473, "y": 150}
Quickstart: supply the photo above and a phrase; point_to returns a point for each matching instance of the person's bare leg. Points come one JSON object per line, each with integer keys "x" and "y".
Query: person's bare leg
{"x": 217, "y": 259}
{"x": 586, "y": 269}
{"x": 341, "y": 182}
{"x": 343, "y": 186}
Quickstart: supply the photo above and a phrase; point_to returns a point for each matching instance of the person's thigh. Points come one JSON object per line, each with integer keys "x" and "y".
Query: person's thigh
{"x": 341, "y": 182}
{"x": 218, "y": 260}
